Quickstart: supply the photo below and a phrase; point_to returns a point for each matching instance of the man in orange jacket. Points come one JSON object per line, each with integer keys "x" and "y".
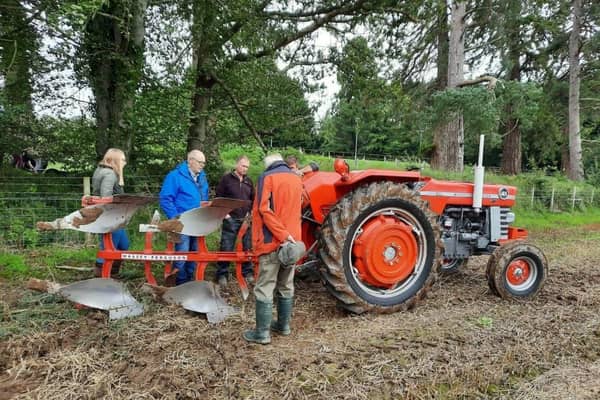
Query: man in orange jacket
{"x": 276, "y": 234}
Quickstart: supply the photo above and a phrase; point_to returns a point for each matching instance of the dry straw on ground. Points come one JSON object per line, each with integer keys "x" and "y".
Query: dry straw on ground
{"x": 460, "y": 342}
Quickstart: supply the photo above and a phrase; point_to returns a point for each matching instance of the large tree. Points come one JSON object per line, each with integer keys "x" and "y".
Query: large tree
{"x": 448, "y": 151}
{"x": 113, "y": 50}
{"x": 227, "y": 33}
{"x": 575, "y": 166}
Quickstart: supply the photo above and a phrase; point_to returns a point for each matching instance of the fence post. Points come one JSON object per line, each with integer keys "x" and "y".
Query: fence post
{"x": 573, "y": 200}
{"x": 552, "y": 200}
{"x": 592, "y": 198}
{"x": 86, "y": 192}
{"x": 532, "y": 195}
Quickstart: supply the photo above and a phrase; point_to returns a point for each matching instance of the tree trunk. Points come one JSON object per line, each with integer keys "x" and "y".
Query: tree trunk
{"x": 511, "y": 161}
{"x": 511, "y": 146}
{"x": 114, "y": 47}
{"x": 449, "y": 138}
{"x": 201, "y": 133}
{"x": 575, "y": 170}
{"x": 441, "y": 81}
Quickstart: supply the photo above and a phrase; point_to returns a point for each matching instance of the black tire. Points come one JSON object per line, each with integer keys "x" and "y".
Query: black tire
{"x": 517, "y": 270}
{"x": 451, "y": 266}
{"x": 402, "y": 216}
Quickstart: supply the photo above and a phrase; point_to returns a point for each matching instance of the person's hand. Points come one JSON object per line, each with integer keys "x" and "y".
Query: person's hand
{"x": 290, "y": 239}
{"x": 227, "y": 216}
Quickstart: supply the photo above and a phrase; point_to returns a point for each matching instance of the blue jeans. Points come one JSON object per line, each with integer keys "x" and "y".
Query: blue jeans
{"x": 229, "y": 231}
{"x": 186, "y": 269}
{"x": 120, "y": 241}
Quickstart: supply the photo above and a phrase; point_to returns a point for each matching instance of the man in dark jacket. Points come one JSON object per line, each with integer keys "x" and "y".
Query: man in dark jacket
{"x": 276, "y": 224}
{"x": 236, "y": 185}
{"x": 183, "y": 189}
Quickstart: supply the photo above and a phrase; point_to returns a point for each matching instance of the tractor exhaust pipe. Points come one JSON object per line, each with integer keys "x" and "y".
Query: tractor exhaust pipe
{"x": 478, "y": 180}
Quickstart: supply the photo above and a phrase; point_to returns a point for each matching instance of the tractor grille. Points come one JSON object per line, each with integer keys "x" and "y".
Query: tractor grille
{"x": 506, "y": 218}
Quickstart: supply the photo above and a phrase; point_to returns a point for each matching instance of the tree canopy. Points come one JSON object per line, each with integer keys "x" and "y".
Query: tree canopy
{"x": 160, "y": 78}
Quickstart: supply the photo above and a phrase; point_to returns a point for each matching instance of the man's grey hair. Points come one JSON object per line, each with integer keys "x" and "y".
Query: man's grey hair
{"x": 271, "y": 158}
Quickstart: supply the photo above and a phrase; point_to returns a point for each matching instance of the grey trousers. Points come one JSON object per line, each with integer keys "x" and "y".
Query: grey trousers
{"x": 273, "y": 279}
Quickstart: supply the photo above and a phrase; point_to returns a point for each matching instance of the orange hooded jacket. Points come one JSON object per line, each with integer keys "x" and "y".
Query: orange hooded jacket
{"x": 277, "y": 208}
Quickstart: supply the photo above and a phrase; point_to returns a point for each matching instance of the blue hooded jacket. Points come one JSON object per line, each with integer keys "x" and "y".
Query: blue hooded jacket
{"x": 179, "y": 192}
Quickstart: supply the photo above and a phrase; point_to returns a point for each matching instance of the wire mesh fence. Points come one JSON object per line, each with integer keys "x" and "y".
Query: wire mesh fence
{"x": 27, "y": 200}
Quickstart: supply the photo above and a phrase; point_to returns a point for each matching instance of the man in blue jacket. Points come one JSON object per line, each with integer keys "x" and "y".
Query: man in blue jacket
{"x": 183, "y": 189}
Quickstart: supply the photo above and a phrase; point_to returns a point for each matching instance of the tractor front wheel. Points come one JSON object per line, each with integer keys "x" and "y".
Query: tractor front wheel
{"x": 380, "y": 250}
{"x": 517, "y": 270}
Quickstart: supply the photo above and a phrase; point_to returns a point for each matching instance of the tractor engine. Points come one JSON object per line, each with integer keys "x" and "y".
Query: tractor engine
{"x": 467, "y": 231}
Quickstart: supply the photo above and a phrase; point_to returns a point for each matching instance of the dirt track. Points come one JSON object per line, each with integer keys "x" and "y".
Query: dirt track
{"x": 460, "y": 342}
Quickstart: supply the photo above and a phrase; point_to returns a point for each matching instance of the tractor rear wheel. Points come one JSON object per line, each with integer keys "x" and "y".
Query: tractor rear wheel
{"x": 516, "y": 270}
{"x": 380, "y": 249}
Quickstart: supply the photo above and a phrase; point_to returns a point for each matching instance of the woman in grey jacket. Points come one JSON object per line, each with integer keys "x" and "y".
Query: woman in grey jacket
{"x": 106, "y": 182}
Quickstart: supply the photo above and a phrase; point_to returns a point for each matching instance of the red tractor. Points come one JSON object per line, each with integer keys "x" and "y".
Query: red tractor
{"x": 381, "y": 237}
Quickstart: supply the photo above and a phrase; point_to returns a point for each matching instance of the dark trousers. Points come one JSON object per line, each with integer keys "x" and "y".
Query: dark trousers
{"x": 186, "y": 269}
{"x": 229, "y": 231}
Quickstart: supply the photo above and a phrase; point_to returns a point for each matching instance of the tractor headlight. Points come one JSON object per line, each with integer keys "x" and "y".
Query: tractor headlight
{"x": 510, "y": 217}
{"x": 503, "y": 193}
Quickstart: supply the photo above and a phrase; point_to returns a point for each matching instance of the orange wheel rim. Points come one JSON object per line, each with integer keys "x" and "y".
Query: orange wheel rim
{"x": 386, "y": 251}
{"x": 518, "y": 272}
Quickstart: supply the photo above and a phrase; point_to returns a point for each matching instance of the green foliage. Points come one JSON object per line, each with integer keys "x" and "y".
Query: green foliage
{"x": 273, "y": 102}
{"x": 481, "y": 110}
{"x": 370, "y": 112}
{"x": 13, "y": 266}
{"x": 160, "y": 119}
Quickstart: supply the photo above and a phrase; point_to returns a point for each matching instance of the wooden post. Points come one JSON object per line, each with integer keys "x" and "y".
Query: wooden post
{"x": 86, "y": 192}
{"x": 552, "y": 200}
{"x": 592, "y": 198}
{"x": 532, "y": 195}
{"x": 573, "y": 200}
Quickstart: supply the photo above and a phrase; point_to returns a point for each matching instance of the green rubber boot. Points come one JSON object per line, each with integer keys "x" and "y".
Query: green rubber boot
{"x": 284, "y": 314}
{"x": 264, "y": 316}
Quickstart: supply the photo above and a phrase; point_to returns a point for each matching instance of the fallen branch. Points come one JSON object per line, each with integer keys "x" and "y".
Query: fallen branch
{"x": 68, "y": 267}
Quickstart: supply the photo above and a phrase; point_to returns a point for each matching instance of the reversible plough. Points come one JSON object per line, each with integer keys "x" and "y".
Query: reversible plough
{"x": 105, "y": 215}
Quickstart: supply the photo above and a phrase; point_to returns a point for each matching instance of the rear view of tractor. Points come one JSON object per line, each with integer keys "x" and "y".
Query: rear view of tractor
{"x": 381, "y": 237}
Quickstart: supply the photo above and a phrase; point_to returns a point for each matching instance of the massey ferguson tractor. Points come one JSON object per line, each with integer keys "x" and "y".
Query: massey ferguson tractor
{"x": 379, "y": 239}
{"x": 382, "y": 237}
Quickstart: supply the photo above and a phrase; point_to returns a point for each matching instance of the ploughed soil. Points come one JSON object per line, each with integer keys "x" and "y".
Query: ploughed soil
{"x": 460, "y": 342}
